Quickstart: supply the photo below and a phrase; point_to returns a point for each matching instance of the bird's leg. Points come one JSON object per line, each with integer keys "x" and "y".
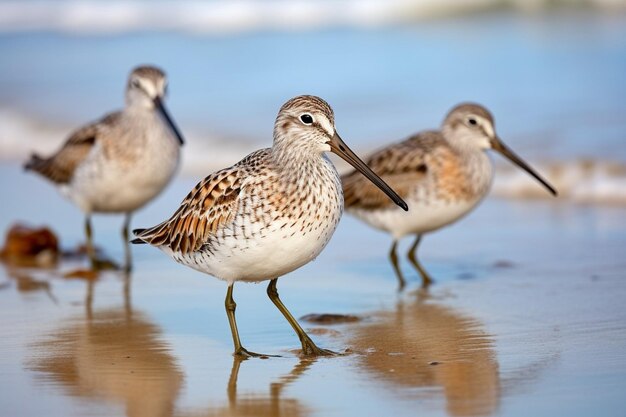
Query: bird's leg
{"x": 412, "y": 255}
{"x": 230, "y": 312}
{"x": 91, "y": 252}
{"x": 393, "y": 256}
{"x": 128, "y": 262}
{"x": 308, "y": 347}
{"x": 97, "y": 264}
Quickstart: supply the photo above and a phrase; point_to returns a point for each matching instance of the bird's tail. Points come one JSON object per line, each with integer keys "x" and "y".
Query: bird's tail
{"x": 155, "y": 236}
{"x": 49, "y": 168}
{"x": 138, "y": 240}
{"x": 35, "y": 163}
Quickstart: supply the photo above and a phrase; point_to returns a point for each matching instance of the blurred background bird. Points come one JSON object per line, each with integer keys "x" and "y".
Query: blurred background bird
{"x": 441, "y": 174}
{"x": 122, "y": 161}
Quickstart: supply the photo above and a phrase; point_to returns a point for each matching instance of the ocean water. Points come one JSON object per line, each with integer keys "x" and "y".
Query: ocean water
{"x": 555, "y": 81}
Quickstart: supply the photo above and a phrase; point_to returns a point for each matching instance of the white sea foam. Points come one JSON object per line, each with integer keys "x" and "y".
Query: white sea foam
{"x": 582, "y": 180}
{"x": 228, "y": 16}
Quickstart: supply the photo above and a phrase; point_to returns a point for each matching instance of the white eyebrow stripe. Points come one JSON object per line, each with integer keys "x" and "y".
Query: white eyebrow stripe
{"x": 148, "y": 87}
{"x": 488, "y": 128}
{"x": 323, "y": 121}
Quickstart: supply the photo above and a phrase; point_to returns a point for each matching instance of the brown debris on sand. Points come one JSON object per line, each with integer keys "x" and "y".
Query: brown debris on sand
{"x": 330, "y": 318}
{"x": 28, "y": 246}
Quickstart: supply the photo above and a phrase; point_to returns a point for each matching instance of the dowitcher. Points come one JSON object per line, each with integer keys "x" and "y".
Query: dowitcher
{"x": 269, "y": 214}
{"x": 120, "y": 162}
{"x": 441, "y": 174}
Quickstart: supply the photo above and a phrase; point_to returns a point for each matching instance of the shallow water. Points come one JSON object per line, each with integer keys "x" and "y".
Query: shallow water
{"x": 526, "y": 318}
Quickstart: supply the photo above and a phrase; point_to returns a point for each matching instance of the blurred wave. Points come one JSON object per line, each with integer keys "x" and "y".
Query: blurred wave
{"x": 232, "y": 16}
{"x": 581, "y": 180}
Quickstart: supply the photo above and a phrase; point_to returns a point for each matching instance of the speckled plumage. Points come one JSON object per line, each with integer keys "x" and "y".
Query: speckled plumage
{"x": 267, "y": 215}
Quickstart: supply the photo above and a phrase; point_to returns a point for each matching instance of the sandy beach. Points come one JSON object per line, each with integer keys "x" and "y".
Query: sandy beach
{"x": 526, "y": 318}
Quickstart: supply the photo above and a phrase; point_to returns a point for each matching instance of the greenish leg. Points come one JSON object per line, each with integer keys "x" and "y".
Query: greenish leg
{"x": 96, "y": 263}
{"x": 128, "y": 261}
{"x": 393, "y": 256}
{"x": 308, "y": 347}
{"x": 230, "y": 312}
{"x": 412, "y": 255}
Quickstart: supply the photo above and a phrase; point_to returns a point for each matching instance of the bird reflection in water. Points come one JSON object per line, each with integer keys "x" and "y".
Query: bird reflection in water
{"x": 116, "y": 355}
{"x": 25, "y": 283}
{"x": 89, "y": 297}
{"x": 426, "y": 345}
{"x": 255, "y": 404}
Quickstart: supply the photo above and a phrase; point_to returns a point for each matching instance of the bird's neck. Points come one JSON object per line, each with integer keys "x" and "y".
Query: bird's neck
{"x": 139, "y": 104}
{"x": 292, "y": 155}
{"x": 473, "y": 161}
{"x": 302, "y": 168}
{"x": 478, "y": 168}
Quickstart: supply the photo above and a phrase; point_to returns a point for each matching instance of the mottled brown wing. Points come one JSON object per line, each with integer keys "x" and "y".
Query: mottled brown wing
{"x": 60, "y": 167}
{"x": 210, "y": 206}
{"x": 401, "y": 165}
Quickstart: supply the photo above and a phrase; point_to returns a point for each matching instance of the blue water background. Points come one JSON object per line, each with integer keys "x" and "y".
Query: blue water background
{"x": 555, "y": 82}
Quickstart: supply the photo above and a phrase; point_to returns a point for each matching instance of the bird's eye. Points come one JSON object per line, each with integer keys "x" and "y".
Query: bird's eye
{"x": 472, "y": 121}
{"x": 135, "y": 83}
{"x": 306, "y": 118}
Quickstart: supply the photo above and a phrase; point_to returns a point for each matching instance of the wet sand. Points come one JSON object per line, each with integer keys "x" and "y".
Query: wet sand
{"x": 526, "y": 318}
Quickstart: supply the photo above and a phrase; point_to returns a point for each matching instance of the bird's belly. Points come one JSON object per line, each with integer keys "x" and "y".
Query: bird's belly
{"x": 121, "y": 186}
{"x": 421, "y": 218}
{"x": 263, "y": 256}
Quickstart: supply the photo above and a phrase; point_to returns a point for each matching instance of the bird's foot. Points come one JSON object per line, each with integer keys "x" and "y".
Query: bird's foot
{"x": 245, "y": 354}
{"x": 427, "y": 281}
{"x": 310, "y": 349}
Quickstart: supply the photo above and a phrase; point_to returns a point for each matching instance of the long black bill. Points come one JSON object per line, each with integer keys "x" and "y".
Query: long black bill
{"x": 507, "y": 152}
{"x": 159, "y": 105}
{"x": 339, "y": 147}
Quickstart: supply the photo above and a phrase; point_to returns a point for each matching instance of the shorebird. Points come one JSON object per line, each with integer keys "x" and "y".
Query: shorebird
{"x": 441, "y": 174}
{"x": 267, "y": 215}
{"x": 120, "y": 162}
